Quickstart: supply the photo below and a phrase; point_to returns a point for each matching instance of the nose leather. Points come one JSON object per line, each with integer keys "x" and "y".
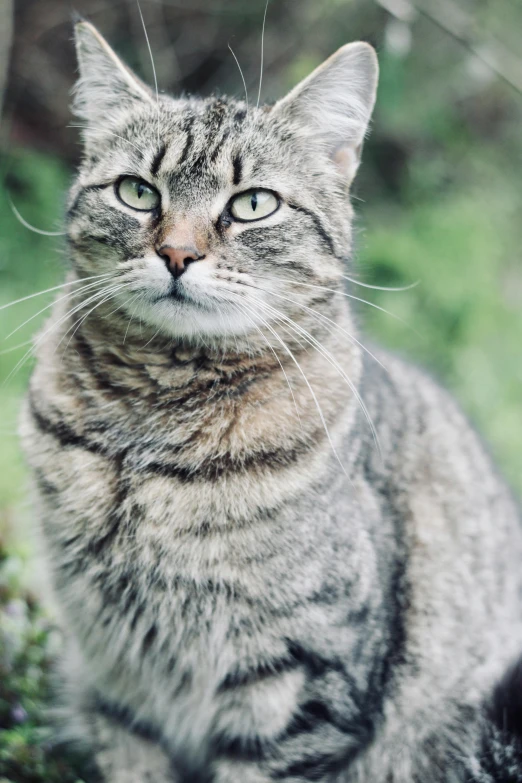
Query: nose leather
{"x": 178, "y": 258}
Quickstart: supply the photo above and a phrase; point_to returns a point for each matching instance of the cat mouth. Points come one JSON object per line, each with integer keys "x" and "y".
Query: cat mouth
{"x": 179, "y": 295}
{"x": 175, "y": 293}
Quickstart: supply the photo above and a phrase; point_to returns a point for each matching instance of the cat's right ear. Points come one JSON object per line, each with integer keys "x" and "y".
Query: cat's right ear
{"x": 105, "y": 83}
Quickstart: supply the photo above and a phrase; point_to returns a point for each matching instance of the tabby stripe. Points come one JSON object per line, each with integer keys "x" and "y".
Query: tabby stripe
{"x": 219, "y": 145}
{"x": 124, "y": 717}
{"x": 189, "y": 140}
{"x": 238, "y": 679}
{"x": 237, "y": 165}
{"x": 320, "y": 766}
{"x": 214, "y": 468}
{"x": 246, "y": 749}
{"x": 156, "y": 163}
{"x": 44, "y": 485}
{"x": 59, "y": 430}
{"x": 98, "y": 545}
{"x": 317, "y": 224}
{"x": 313, "y": 714}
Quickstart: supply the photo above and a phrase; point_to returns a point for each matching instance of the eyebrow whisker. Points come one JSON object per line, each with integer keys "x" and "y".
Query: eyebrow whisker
{"x": 242, "y": 76}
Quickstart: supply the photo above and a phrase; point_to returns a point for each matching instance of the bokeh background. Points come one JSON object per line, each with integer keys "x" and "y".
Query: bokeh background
{"x": 438, "y": 200}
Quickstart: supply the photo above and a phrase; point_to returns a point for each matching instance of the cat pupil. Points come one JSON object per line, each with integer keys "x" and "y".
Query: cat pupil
{"x": 253, "y": 202}
{"x": 140, "y": 190}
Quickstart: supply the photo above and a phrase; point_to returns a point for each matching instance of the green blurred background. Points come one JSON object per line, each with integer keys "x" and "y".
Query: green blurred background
{"x": 438, "y": 200}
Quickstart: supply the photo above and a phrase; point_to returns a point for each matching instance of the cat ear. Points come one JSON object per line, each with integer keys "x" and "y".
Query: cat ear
{"x": 105, "y": 82}
{"x": 334, "y": 104}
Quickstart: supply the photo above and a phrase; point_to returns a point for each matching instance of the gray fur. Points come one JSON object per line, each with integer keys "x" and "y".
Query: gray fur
{"x": 253, "y": 587}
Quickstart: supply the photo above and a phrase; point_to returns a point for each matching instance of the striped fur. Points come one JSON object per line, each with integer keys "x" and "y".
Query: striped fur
{"x": 251, "y": 590}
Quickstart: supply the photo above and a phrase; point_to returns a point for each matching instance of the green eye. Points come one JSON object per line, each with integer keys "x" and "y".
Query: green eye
{"x": 137, "y": 194}
{"x": 254, "y": 205}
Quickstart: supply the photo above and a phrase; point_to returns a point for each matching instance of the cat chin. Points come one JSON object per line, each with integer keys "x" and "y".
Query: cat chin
{"x": 193, "y": 321}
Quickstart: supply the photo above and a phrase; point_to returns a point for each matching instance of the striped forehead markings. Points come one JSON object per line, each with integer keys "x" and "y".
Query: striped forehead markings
{"x": 237, "y": 165}
{"x": 157, "y": 160}
{"x": 189, "y": 141}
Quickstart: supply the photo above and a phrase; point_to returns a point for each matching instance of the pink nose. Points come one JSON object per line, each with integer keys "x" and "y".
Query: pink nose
{"x": 178, "y": 258}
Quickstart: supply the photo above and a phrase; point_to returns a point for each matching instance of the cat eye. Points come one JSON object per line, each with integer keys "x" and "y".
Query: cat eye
{"x": 136, "y": 193}
{"x": 253, "y": 205}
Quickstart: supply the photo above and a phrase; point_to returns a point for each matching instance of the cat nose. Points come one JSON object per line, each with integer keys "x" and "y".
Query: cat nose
{"x": 178, "y": 258}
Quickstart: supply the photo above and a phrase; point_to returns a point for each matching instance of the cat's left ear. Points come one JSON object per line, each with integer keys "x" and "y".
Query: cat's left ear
{"x": 105, "y": 83}
{"x": 334, "y": 104}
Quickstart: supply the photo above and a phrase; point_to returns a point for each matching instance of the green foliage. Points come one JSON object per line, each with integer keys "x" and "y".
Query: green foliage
{"x": 29, "y": 262}
{"x": 28, "y": 646}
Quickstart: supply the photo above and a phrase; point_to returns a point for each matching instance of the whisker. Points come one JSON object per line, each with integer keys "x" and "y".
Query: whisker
{"x": 107, "y": 296}
{"x": 158, "y": 330}
{"x": 103, "y": 131}
{"x": 137, "y": 300}
{"x": 314, "y": 396}
{"x": 232, "y": 332}
{"x": 349, "y": 296}
{"x": 16, "y": 347}
{"x": 331, "y": 359}
{"x": 41, "y": 337}
{"x": 316, "y": 314}
{"x": 242, "y": 75}
{"x": 382, "y": 287}
{"x": 262, "y": 54}
{"x": 24, "y": 222}
{"x": 153, "y": 66}
{"x": 235, "y": 304}
{"x": 51, "y": 304}
{"x": 54, "y": 288}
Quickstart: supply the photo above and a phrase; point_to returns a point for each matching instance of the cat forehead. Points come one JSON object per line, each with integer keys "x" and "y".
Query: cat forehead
{"x": 193, "y": 139}
{"x": 199, "y": 131}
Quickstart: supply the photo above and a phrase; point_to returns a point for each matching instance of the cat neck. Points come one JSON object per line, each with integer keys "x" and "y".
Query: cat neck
{"x": 294, "y": 379}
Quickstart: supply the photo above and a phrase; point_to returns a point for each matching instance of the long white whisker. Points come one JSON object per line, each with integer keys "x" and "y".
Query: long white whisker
{"x": 243, "y": 310}
{"x": 16, "y": 347}
{"x": 102, "y": 131}
{"x": 317, "y": 315}
{"x": 137, "y": 300}
{"x": 242, "y": 75}
{"x": 51, "y": 304}
{"x": 54, "y": 288}
{"x": 232, "y": 333}
{"x": 153, "y": 66}
{"x": 158, "y": 330}
{"x": 41, "y": 337}
{"x": 314, "y": 396}
{"x": 382, "y": 287}
{"x": 107, "y": 296}
{"x": 24, "y": 222}
{"x": 262, "y": 54}
{"x": 331, "y": 359}
{"x": 349, "y": 296}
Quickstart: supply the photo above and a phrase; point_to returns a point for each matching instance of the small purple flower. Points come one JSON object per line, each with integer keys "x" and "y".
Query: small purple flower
{"x": 18, "y": 714}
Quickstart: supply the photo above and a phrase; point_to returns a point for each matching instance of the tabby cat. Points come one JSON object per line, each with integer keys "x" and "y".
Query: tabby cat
{"x": 278, "y": 556}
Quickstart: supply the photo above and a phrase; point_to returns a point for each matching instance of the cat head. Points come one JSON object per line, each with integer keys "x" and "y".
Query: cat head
{"x": 211, "y": 216}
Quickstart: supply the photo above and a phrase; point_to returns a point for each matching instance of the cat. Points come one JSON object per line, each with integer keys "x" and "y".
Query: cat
{"x": 278, "y": 556}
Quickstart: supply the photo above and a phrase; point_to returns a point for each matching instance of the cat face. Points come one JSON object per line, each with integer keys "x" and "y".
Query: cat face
{"x": 212, "y": 216}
